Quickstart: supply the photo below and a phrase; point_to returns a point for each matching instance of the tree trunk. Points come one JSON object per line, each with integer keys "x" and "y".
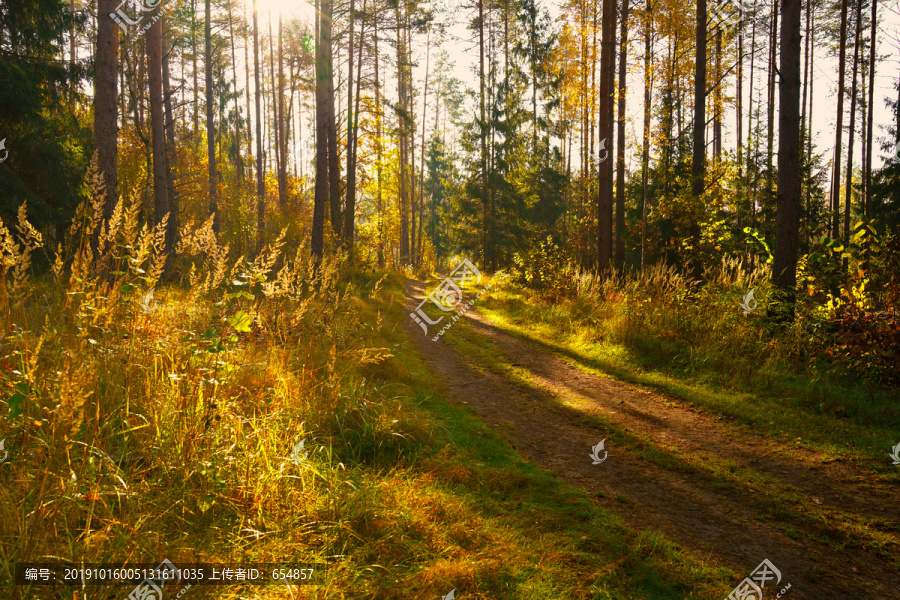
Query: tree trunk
{"x": 237, "y": 97}
{"x": 483, "y": 133}
{"x": 620, "y": 146}
{"x": 334, "y": 169}
{"x": 210, "y": 124}
{"x": 105, "y": 110}
{"x": 351, "y": 168}
{"x": 645, "y": 153}
{"x": 698, "y": 165}
{"x": 378, "y": 150}
{"x": 604, "y": 181}
{"x": 282, "y": 138}
{"x": 249, "y": 117}
{"x": 260, "y": 173}
{"x": 867, "y": 208}
{"x": 770, "y": 130}
{"x": 172, "y": 230}
{"x": 784, "y": 268}
{"x": 422, "y": 155}
{"x": 194, "y": 59}
{"x": 157, "y": 123}
{"x": 317, "y": 241}
{"x": 848, "y": 190}
{"x": 353, "y": 139}
{"x": 839, "y": 125}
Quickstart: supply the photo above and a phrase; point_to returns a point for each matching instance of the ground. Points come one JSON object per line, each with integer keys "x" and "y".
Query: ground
{"x": 663, "y": 459}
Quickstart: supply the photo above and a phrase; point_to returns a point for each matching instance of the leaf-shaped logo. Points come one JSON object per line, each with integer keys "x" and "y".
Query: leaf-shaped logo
{"x": 746, "y": 303}
{"x": 296, "y": 456}
{"x": 450, "y": 595}
{"x": 146, "y": 303}
{"x": 605, "y": 151}
{"x": 2, "y": 447}
{"x": 895, "y": 455}
{"x": 5, "y": 151}
{"x": 595, "y": 454}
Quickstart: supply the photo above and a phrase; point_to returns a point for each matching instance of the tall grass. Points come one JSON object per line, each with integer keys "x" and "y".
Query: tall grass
{"x": 138, "y": 413}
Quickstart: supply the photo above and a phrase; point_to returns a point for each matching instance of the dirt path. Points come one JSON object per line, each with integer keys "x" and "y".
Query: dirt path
{"x": 716, "y": 526}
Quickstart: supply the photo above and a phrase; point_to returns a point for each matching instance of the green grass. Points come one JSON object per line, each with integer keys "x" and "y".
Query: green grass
{"x": 692, "y": 354}
{"x": 402, "y": 494}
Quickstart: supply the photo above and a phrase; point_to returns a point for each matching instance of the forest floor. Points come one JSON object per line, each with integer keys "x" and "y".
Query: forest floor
{"x": 729, "y": 495}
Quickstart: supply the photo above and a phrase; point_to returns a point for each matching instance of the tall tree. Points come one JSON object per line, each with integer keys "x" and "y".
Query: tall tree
{"x": 604, "y": 180}
{"x": 698, "y": 164}
{"x": 787, "y": 218}
{"x": 620, "y": 146}
{"x": 648, "y": 95}
{"x": 105, "y": 110}
{"x": 210, "y": 122}
{"x": 317, "y": 245}
{"x": 867, "y": 201}
{"x": 839, "y": 125}
{"x": 848, "y": 190}
{"x": 260, "y": 174}
{"x": 157, "y": 123}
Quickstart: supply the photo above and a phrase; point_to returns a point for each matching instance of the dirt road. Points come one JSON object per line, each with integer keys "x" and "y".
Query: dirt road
{"x": 545, "y": 421}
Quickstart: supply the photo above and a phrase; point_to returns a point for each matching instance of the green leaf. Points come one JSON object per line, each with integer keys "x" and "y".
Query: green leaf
{"x": 240, "y": 321}
{"x": 15, "y": 406}
{"x": 127, "y": 287}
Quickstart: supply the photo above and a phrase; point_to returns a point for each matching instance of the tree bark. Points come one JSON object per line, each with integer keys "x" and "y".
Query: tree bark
{"x": 157, "y": 123}
{"x": 334, "y": 169}
{"x": 867, "y": 208}
{"x": 260, "y": 173}
{"x": 317, "y": 241}
{"x": 839, "y": 125}
{"x": 645, "y": 154}
{"x": 620, "y": 146}
{"x": 848, "y": 189}
{"x": 698, "y": 165}
{"x": 210, "y": 123}
{"x": 784, "y": 269}
{"x": 604, "y": 181}
{"x": 105, "y": 110}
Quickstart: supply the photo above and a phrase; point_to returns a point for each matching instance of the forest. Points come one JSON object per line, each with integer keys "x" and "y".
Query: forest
{"x": 456, "y": 299}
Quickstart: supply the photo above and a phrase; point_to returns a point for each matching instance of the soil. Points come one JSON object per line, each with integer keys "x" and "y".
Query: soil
{"x": 545, "y": 421}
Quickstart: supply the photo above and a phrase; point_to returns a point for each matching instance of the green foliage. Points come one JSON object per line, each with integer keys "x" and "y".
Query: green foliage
{"x": 545, "y": 269}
